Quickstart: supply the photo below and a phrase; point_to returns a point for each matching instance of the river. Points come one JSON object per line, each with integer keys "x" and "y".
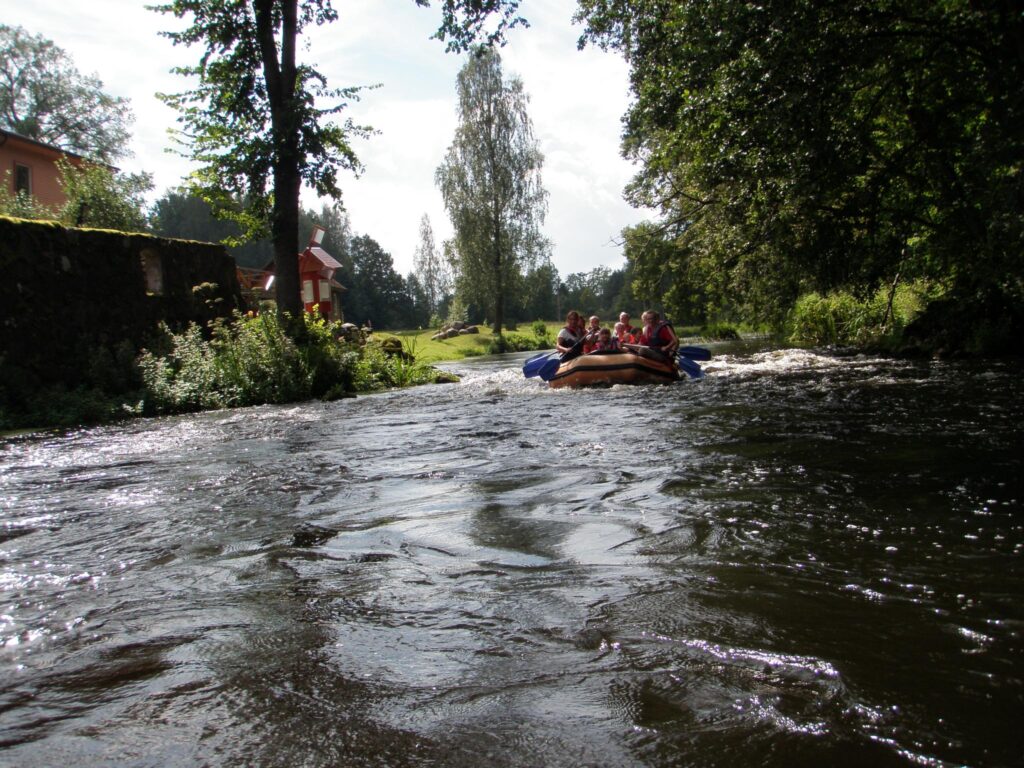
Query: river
{"x": 800, "y": 560}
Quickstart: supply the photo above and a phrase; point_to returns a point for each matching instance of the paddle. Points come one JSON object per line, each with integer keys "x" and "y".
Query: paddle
{"x": 694, "y": 353}
{"x": 690, "y": 368}
{"x": 532, "y": 367}
{"x": 550, "y": 367}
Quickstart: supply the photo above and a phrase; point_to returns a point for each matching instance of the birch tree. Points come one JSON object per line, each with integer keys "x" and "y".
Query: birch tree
{"x": 432, "y": 271}
{"x": 490, "y": 180}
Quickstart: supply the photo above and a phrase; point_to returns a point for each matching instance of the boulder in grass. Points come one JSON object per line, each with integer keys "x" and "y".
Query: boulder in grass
{"x": 393, "y": 348}
{"x": 350, "y": 332}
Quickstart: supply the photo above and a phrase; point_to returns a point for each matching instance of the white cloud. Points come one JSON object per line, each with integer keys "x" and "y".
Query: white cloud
{"x": 577, "y": 99}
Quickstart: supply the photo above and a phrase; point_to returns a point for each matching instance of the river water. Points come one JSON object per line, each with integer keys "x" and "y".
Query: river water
{"x": 801, "y": 560}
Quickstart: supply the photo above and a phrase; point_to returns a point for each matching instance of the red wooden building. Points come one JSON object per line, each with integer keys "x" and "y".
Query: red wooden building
{"x": 316, "y": 276}
{"x": 320, "y": 291}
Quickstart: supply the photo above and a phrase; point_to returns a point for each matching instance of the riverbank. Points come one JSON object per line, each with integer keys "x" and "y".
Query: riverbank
{"x": 251, "y": 361}
{"x": 425, "y": 349}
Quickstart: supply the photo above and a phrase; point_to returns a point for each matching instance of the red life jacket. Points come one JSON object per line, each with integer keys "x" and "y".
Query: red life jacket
{"x": 657, "y": 338}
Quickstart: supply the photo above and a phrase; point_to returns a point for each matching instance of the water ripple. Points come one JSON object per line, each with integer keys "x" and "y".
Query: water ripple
{"x": 803, "y": 559}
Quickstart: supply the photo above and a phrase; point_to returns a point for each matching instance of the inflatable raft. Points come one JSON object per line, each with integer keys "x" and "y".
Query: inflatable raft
{"x": 607, "y": 368}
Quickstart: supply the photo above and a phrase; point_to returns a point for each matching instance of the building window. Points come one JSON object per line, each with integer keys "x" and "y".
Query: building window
{"x": 22, "y": 179}
{"x": 153, "y": 272}
{"x": 307, "y": 291}
{"x": 325, "y": 291}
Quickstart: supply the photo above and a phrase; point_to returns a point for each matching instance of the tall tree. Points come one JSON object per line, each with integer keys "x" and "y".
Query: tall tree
{"x": 376, "y": 291}
{"x": 798, "y": 145}
{"x": 252, "y": 121}
{"x": 540, "y": 295}
{"x": 433, "y": 273}
{"x": 490, "y": 180}
{"x": 44, "y": 97}
{"x": 256, "y": 121}
{"x": 417, "y": 314}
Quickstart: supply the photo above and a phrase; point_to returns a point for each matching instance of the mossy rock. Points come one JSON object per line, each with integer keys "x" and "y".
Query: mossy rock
{"x": 445, "y": 377}
{"x": 393, "y": 347}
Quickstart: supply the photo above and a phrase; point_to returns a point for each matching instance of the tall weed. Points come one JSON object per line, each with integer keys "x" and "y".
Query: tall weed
{"x": 840, "y": 318}
{"x": 377, "y": 369}
{"x": 247, "y": 361}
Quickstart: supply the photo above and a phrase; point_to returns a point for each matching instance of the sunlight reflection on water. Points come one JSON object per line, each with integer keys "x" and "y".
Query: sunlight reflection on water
{"x": 799, "y": 560}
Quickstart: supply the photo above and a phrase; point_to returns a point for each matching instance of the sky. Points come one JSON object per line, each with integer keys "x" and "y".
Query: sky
{"x": 577, "y": 99}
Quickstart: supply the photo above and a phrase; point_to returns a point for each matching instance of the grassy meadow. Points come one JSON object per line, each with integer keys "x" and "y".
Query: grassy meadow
{"x": 418, "y": 342}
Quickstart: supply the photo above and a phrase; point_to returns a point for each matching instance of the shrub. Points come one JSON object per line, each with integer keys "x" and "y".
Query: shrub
{"x": 377, "y": 369}
{"x": 248, "y": 360}
{"x": 21, "y": 205}
{"x": 58, "y": 406}
{"x": 842, "y": 318}
{"x": 513, "y": 342}
{"x": 720, "y": 332}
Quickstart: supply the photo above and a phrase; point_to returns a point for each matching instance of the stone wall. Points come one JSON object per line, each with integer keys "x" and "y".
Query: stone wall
{"x": 67, "y": 295}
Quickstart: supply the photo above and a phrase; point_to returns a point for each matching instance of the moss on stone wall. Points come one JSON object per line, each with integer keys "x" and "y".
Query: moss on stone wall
{"x": 70, "y": 297}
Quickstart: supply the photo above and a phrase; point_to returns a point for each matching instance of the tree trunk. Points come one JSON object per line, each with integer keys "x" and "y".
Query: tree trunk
{"x": 499, "y": 282}
{"x": 285, "y": 229}
{"x": 280, "y": 80}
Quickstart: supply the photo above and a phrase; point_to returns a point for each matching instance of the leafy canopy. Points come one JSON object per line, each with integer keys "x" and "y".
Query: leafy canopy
{"x": 247, "y": 105}
{"x": 44, "y": 97}
{"x": 800, "y": 146}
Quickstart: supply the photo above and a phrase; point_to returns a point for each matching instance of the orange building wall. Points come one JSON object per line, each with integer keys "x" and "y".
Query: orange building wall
{"x": 41, "y": 159}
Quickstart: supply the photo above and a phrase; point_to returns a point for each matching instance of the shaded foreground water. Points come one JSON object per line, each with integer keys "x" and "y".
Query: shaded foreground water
{"x": 801, "y": 560}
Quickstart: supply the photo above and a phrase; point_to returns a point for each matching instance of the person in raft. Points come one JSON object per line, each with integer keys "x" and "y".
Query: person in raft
{"x": 571, "y": 333}
{"x": 621, "y": 335}
{"x": 658, "y": 334}
{"x": 592, "y": 330}
{"x": 605, "y": 342}
{"x": 581, "y": 326}
{"x": 633, "y": 334}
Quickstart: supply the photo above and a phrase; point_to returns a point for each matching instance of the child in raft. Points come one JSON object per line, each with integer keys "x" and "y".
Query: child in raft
{"x": 592, "y": 331}
{"x": 606, "y": 342}
{"x": 624, "y": 334}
